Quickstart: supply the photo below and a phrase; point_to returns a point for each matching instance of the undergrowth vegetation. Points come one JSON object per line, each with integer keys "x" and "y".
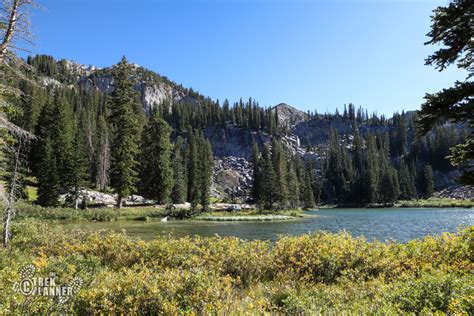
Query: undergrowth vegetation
{"x": 437, "y": 202}
{"x": 32, "y": 211}
{"x": 317, "y": 273}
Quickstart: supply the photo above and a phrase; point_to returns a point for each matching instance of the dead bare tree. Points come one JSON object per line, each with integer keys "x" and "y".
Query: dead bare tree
{"x": 15, "y": 25}
{"x": 9, "y": 212}
{"x": 103, "y": 165}
{"x": 14, "y": 32}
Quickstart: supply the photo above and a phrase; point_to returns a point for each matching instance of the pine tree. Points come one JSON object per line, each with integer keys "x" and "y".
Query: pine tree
{"x": 372, "y": 171}
{"x": 407, "y": 182}
{"x": 102, "y": 155}
{"x": 452, "y": 27}
{"x": 156, "y": 168}
{"x": 205, "y": 169}
{"x": 337, "y": 170}
{"x": 257, "y": 176}
{"x": 428, "y": 184}
{"x": 61, "y": 133}
{"x": 279, "y": 160}
{"x": 78, "y": 163}
{"x": 268, "y": 179}
{"x": 308, "y": 194}
{"x": 42, "y": 131}
{"x": 48, "y": 178}
{"x": 293, "y": 185}
{"x": 178, "y": 194}
{"x": 194, "y": 192}
{"x": 125, "y": 142}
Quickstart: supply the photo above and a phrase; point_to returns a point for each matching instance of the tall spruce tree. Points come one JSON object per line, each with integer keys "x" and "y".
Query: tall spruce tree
{"x": 293, "y": 184}
{"x": 125, "y": 129}
{"x": 156, "y": 176}
{"x": 101, "y": 164}
{"x": 407, "y": 182}
{"x": 206, "y": 165}
{"x": 452, "y": 27}
{"x": 62, "y": 133}
{"x": 269, "y": 185}
{"x": 308, "y": 192}
{"x": 257, "y": 176}
{"x": 78, "y": 163}
{"x": 48, "y": 178}
{"x": 178, "y": 194}
{"x": 194, "y": 189}
{"x": 279, "y": 161}
{"x": 428, "y": 182}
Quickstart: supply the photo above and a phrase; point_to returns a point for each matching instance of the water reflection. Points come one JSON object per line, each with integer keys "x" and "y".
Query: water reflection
{"x": 382, "y": 224}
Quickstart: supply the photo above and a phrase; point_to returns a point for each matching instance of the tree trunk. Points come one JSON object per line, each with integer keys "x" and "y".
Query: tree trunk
{"x": 12, "y": 20}
{"x": 76, "y": 198}
{"x": 10, "y": 208}
{"x": 119, "y": 201}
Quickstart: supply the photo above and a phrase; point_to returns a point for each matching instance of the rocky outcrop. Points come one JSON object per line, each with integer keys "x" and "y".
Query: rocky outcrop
{"x": 234, "y": 141}
{"x": 288, "y": 115}
{"x": 232, "y": 179}
{"x": 153, "y": 88}
{"x": 97, "y": 198}
{"x": 456, "y": 192}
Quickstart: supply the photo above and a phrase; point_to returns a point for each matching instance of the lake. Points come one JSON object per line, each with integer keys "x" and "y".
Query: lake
{"x": 401, "y": 224}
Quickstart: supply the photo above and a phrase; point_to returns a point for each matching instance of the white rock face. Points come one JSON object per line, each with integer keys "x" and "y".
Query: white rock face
{"x": 152, "y": 88}
{"x": 50, "y": 82}
{"x": 288, "y": 115}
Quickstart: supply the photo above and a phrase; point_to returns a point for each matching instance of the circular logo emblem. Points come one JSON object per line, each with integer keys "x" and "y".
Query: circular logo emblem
{"x": 26, "y": 286}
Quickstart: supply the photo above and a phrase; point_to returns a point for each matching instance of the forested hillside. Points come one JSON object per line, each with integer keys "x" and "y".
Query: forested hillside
{"x": 171, "y": 133}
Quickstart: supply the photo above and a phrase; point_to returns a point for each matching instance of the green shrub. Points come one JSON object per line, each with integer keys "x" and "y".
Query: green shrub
{"x": 312, "y": 274}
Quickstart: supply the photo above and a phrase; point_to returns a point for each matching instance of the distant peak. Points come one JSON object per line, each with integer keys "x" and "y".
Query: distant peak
{"x": 289, "y": 115}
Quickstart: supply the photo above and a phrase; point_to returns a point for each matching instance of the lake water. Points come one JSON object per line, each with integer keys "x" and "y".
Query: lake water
{"x": 383, "y": 224}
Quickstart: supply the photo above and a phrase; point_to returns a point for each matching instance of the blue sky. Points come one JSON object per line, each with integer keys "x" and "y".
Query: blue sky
{"x": 310, "y": 54}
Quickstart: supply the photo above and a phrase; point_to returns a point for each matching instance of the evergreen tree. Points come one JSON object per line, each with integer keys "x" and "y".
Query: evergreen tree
{"x": 42, "y": 131}
{"x": 452, "y": 27}
{"x": 62, "y": 133}
{"x": 268, "y": 196}
{"x": 178, "y": 194}
{"x": 206, "y": 167}
{"x": 48, "y": 179}
{"x": 78, "y": 164}
{"x": 257, "y": 176}
{"x": 308, "y": 193}
{"x": 293, "y": 185}
{"x": 124, "y": 151}
{"x": 388, "y": 186}
{"x": 428, "y": 182}
{"x": 407, "y": 183}
{"x": 337, "y": 171}
{"x": 156, "y": 167}
{"x": 372, "y": 171}
{"x": 101, "y": 163}
{"x": 279, "y": 161}
{"x": 194, "y": 192}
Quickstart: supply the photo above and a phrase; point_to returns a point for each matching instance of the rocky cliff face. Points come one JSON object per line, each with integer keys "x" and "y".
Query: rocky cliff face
{"x": 288, "y": 115}
{"x": 153, "y": 88}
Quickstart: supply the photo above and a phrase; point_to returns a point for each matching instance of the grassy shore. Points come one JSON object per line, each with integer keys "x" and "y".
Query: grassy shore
{"x": 310, "y": 274}
{"x": 31, "y": 211}
{"x": 242, "y": 218}
{"x": 251, "y": 215}
{"x": 27, "y": 210}
{"x": 431, "y": 202}
{"x": 436, "y": 202}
